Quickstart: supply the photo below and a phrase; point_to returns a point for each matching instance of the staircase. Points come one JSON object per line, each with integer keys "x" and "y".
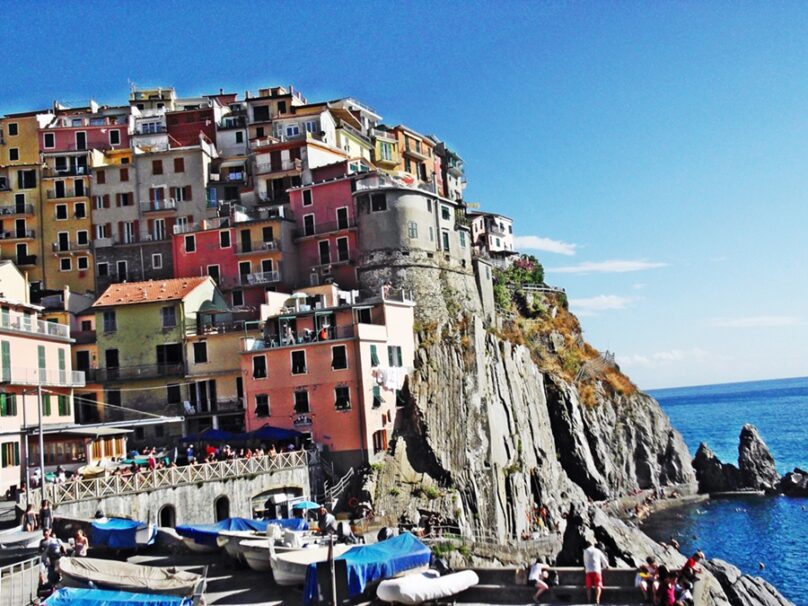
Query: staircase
{"x": 497, "y": 586}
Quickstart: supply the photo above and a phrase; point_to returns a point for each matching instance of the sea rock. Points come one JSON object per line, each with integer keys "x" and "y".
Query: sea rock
{"x": 712, "y": 474}
{"x": 744, "y": 590}
{"x": 795, "y": 483}
{"x": 755, "y": 462}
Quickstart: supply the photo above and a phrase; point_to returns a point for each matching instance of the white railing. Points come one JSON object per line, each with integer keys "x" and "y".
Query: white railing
{"x": 19, "y": 583}
{"x": 27, "y": 323}
{"x": 164, "y": 204}
{"x": 42, "y": 376}
{"x": 333, "y": 493}
{"x": 113, "y": 486}
{"x": 263, "y": 277}
{"x": 267, "y": 167}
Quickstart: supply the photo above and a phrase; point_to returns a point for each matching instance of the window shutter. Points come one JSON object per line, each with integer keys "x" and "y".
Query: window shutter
{"x": 136, "y": 230}
{"x": 6, "y": 350}
{"x": 108, "y": 230}
{"x": 106, "y": 200}
{"x": 46, "y": 407}
{"x": 186, "y": 191}
{"x": 3, "y": 405}
{"x": 16, "y": 453}
{"x": 117, "y": 199}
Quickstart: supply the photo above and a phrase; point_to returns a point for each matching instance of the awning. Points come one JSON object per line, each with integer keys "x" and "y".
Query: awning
{"x": 228, "y": 163}
{"x": 96, "y": 432}
{"x": 287, "y": 318}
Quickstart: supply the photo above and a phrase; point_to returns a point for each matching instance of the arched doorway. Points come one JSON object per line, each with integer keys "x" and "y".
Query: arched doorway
{"x": 167, "y": 516}
{"x": 222, "y": 508}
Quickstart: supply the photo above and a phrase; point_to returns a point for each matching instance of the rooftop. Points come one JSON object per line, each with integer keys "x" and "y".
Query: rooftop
{"x": 149, "y": 292}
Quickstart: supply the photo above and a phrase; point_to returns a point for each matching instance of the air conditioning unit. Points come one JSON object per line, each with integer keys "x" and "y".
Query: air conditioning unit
{"x": 325, "y": 271}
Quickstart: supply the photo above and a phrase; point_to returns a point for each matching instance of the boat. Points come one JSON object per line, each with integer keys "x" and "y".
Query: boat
{"x": 122, "y": 533}
{"x": 368, "y": 564}
{"x": 255, "y": 553}
{"x": 428, "y": 586}
{"x": 231, "y": 540}
{"x": 73, "y": 596}
{"x": 290, "y": 568}
{"x": 16, "y": 544}
{"x": 202, "y": 538}
{"x": 123, "y": 576}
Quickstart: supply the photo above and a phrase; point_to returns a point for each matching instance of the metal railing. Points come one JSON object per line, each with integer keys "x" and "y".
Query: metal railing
{"x": 324, "y": 228}
{"x": 209, "y": 408}
{"x": 27, "y": 323}
{"x": 17, "y": 234}
{"x": 263, "y": 168}
{"x": 333, "y": 493}
{"x": 334, "y": 333}
{"x": 66, "y": 193}
{"x": 17, "y": 209}
{"x": 19, "y": 582}
{"x": 157, "y": 205}
{"x": 66, "y": 171}
{"x": 263, "y": 277}
{"x": 26, "y": 260}
{"x": 251, "y": 247}
{"x": 17, "y": 375}
{"x": 114, "y": 486}
{"x": 199, "y": 328}
{"x": 143, "y": 371}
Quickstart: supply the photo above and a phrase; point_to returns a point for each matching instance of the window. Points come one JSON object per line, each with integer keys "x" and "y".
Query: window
{"x": 80, "y": 210}
{"x": 123, "y": 175}
{"x": 239, "y": 136}
{"x": 169, "y": 315}
{"x": 190, "y": 243}
{"x": 325, "y": 252}
{"x": 13, "y": 130}
{"x": 63, "y": 403}
{"x": 157, "y": 261}
{"x": 342, "y": 217}
{"x": 298, "y": 362}
{"x": 8, "y": 405}
{"x": 342, "y": 398}
{"x": 46, "y": 404}
{"x": 292, "y": 130}
{"x": 100, "y": 177}
{"x": 82, "y": 237}
{"x": 308, "y": 225}
{"x": 339, "y": 357}
{"x": 110, "y": 321}
{"x": 181, "y": 194}
{"x": 26, "y": 179}
{"x": 261, "y": 405}
{"x": 431, "y": 234}
{"x": 49, "y": 140}
{"x": 462, "y": 237}
{"x": 377, "y": 396}
{"x": 343, "y": 253}
{"x": 13, "y": 154}
{"x": 261, "y": 113}
{"x": 238, "y": 298}
{"x": 378, "y": 202}
{"x": 307, "y": 201}
{"x": 445, "y": 237}
{"x": 301, "y": 402}
{"x": 386, "y": 151}
{"x": 200, "y": 352}
{"x": 394, "y": 355}
{"x": 10, "y": 454}
{"x": 114, "y": 137}
{"x": 363, "y": 315}
{"x": 259, "y": 367}
{"x": 179, "y": 165}
{"x": 157, "y": 167}
{"x": 83, "y": 263}
{"x": 374, "y": 356}
{"x": 312, "y": 126}
{"x": 446, "y": 213}
{"x": 412, "y": 230}
{"x": 102, "y": 271}
{"x": 65, "y": 264}
{"x": 429, "y": 206}
{"x": 213, "y": 272}
{"x": 224, "y": 239}
{"x": 61, "y": 212}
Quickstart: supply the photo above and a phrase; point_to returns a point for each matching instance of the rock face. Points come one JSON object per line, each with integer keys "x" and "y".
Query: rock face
{"x": 755, "y": 462}
{"x": 742, "y": 590}
{"x": 713, "y": 475}
{"x": 795, "y": 483}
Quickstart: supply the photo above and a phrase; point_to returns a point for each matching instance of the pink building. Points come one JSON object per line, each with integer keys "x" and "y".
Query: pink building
{"x": 76, "y": 130}
{"x": 332, "y": 367}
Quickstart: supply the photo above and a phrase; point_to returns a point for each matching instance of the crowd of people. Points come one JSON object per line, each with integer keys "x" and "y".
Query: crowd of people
{"x": 215, "y": 454}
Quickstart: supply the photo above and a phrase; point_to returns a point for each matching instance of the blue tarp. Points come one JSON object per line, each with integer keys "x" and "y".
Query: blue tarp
{"x": 290, "y": 524}
{"x": 368, "y": 563}
{"x": 118, "y": 533}
{"x": 212, "y": 435}
{"x": 273, "y": 434}
{"x": 205, "y": 534}
{"x": 266, "y": 433}
{"x": 69, "y": 596}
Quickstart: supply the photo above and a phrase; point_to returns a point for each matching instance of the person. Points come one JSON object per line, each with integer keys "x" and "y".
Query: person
{"x": 36, "y": 480}
{"x": 28, "y": 521}
{"x": 327, "y": 523}
{"x": 323, "y": 336}
{"x": 272, "y": 451}
{"x": 666, "y": 592}
{"x": 690, "y": 571}
{"x": 51, "y": 549}
{"x": 80, "y": 544}
{"x": 594, "y": 563}
{"x": 535, "y": 578}
{"x": 45, "y": 516}
{"x": 151, "y": 461}
{"x": 189, "y": 454}
{"x": 288, "y": 335}
{"x": 61, "y": 476}
{"x": 684, "y": 593}
{"x": 645, "y": 578}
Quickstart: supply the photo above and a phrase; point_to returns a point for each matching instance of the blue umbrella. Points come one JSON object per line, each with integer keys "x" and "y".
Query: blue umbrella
{"x": 306, "y": 505}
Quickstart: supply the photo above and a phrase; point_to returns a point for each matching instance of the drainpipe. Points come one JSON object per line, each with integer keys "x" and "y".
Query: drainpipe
{"x": 362, "y": 418}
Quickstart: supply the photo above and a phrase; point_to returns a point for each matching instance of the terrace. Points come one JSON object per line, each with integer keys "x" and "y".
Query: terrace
{"x": 29, "y": 324}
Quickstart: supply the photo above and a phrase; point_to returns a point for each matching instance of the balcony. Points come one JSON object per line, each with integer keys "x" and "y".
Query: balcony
{"x": 263, "y": 277}
{"x": 5, "y": 185}
{"x": 232, "y": 405}
{"x": 41, "y": 376}
{"x": 26, "y": 323}
{"x": 268, "y": 168}
{"x": 417, "y": 153}
{"x": 68, "y": 245}
{"x": 51, "y": 172}
{"x": 152, "y": 130}
{"x": 17, "y": 209}
{"x": 26, "y": 260}
{"x": 166, "y": 204}
{"x": 326, "y": 227}
{"x": 231, "y": 177}
{"x": 18, "y": 234}
{"x": 200, "y": 328}
{"x": 246, "y": 248}
{"x": 272, "y": 341}
{"x": 496, "y": 230}
{"x": 143, "y": 371}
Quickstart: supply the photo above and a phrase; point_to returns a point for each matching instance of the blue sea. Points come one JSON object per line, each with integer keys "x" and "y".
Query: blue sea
{"x": 752, "y": 530}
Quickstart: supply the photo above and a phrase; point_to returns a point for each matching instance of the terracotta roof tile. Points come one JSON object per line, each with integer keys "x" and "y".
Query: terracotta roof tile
{"x": 152, "y": 291}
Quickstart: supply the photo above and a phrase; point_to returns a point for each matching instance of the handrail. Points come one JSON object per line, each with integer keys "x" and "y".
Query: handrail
{"x": 19, "y": 582}
{"x": 113, "y": 486}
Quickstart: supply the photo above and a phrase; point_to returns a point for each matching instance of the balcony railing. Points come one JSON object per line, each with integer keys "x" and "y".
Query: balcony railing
{"x": 26, "y": 323}
{"x": 19, "y": 209}
{"x": 42, "y": 376}
{"x": 496, "y": 230}
{"x": 65, "y": 193}
{"x": 208, "y": 408}
{"x": 65, "y": 171}
{"x": 273, "y": 340}
{"x": 143, "y": 371}
{"x": 154, "y": 130}
{"x": 202, "y": 328}
{"x": 263, "y": 277}
{"x": 69, "y": 245}
{"x": 324, "y": 228}
{"x": 18, "y": 234}
{"x": 264, "y": 168}
{"x": 158, "y": 205}
{"x": 234, "y": 177}
{"x": 385, "y": 181}
{"x": 244, "y": 248}
{"x": 25, "y": 260}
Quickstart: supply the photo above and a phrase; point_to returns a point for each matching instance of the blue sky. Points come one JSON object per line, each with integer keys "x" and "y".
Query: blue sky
{"x": 651, "y": 154}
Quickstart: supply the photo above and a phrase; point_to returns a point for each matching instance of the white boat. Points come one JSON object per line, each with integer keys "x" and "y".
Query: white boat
{"x": 290, "y": 568}
{"x": 426, "y": 586}
{"x": 16, "y": 544}
{"x": 123, "y": 576}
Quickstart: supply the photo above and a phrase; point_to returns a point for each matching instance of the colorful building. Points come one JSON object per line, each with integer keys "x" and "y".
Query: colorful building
{"x": 492, "y": 235}
{"x": 331, "y": 366}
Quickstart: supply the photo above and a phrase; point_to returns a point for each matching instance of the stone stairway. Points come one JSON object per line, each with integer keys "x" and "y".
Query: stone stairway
{"x": 497, "y": 586}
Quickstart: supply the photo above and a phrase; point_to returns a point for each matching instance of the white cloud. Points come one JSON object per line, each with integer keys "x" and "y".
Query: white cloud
{"x": 591, "y": 305}
{"x": 755, "y": 322}
{"x": 615, "y": 266}
{"x": 662, "y": 358}
{"x": 544, "y": 244}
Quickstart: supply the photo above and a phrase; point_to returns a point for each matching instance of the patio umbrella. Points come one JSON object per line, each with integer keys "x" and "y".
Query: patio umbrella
{"x": 306, "y": 505}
